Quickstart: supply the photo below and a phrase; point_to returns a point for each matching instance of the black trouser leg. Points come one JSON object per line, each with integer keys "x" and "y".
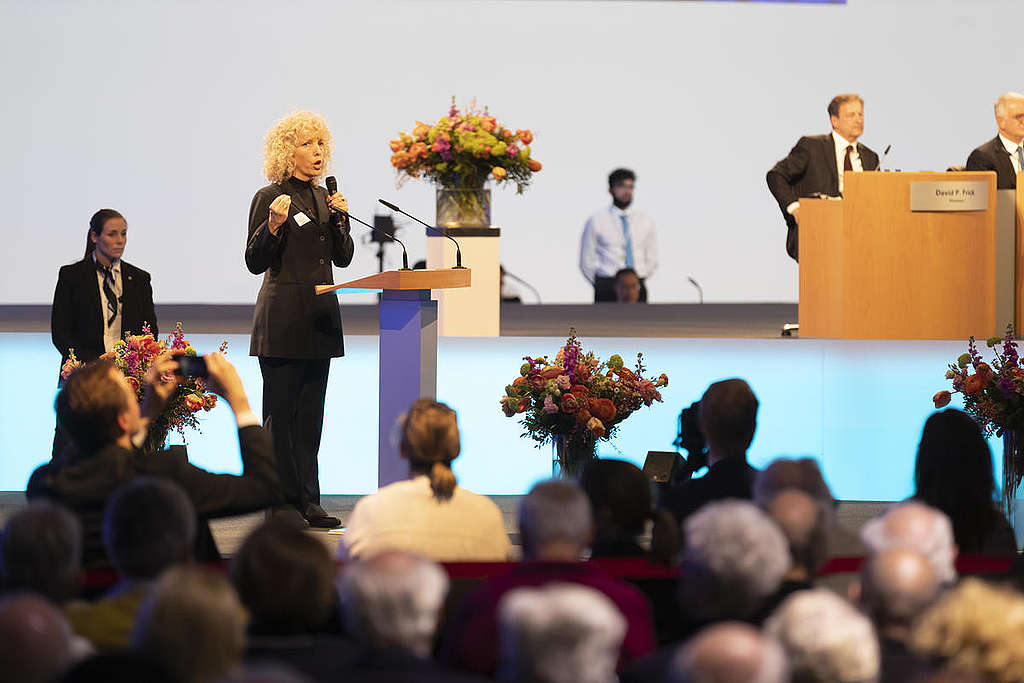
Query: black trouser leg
{"x": 309, "y": 425}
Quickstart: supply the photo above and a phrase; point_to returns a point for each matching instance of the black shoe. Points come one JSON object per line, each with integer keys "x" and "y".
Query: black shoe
{"x": 287, "y": 514}
{"x": 318, "y": 517}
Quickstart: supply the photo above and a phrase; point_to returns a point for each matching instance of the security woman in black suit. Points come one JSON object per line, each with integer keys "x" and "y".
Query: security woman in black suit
{"x": 294, "y": 237}
{"x": 100, "y": 298}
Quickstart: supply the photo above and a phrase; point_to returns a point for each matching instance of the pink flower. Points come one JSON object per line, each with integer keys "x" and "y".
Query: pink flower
{"x": 563, "y": 382}
{"x": 570, "y": 403}
{"x": 194, "y": 403}
{"x": 549, "y": 405}
{"x": 512, "y": 151}
{"x": 209, "y": 401}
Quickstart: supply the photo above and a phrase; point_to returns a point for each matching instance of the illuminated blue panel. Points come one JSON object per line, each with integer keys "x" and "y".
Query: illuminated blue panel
{"x": 858, "y": 407}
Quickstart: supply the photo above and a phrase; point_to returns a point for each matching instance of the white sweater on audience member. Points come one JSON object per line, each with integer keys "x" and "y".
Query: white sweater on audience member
{"x": 405, "y": 515}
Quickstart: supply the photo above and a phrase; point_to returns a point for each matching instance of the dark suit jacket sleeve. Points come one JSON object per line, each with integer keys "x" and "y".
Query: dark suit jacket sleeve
{"x": 148, "y": 310}
{"x": 343, "y": 247}
{"x": 784, "y": 175}
{"x": 262, "y": 248}
{"x": 62, "y": 313}
{"x": 221, "y": 495}
{"x": 981, "y": 160}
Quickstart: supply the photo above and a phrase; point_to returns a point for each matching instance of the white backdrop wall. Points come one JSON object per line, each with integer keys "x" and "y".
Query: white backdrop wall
{"x": 158, "y": 109}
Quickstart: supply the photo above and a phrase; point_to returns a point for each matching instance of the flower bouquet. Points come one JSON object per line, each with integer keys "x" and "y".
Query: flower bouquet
{"x": 577, "y": 399}
{"x": 461, "y": 152}
{"x": 132, "y": 356}
{"x": 993, "y": 394}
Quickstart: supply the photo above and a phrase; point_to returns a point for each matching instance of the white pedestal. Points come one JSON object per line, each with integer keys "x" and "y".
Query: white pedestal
{"x": 472, "y": 311}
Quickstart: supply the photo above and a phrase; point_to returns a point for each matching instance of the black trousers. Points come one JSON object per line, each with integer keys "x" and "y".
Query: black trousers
{"x": 294, "y": 391}
{"x": 604, "y": 289}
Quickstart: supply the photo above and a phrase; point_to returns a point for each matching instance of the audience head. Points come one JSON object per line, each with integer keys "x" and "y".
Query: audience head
{"x": 826, "y": 638}
{"x": 728, "y": 418}
{"x": 896, "y": 586}
{"x": 620, "y": 497}
{"x": 559, "y": 633}
{"x": 627, "y": 286}
{"x": 954, "y": 474}
{"x": 846, "y": 113}
{"x": 807, "y": 526}
{"x": 41, "y": 551}
{"x": 791, "y": 473}
{"x": 96, "y": 407}
{"x": 918, "y": 527}
{"x": 35, "y": 640}
{"x": 1010, "y": 116}
{"x": 555, "y": 522}
{"x": 393, "y": 600}
{"x": 108, "y": 233}
{"x": 149, "y": 525}
{"x": 285, "y": 578}
{"x": 977, "y": 627}
{"x": 193, "y": 624}
{"x": 730, "y": 652}
{"x": 735, "y": 558}
{"x": 430, "y": 441}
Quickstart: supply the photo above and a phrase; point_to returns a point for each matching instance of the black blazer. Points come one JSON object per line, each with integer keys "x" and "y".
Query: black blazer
{"x": 992, "y": 156}
{"x": 290, "y": 321}
{"x": 809, "y": 169}
{"x": 76, "y": 321}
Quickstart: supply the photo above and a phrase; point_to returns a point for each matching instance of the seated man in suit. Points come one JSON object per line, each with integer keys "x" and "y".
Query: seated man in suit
{"x": 98, "y": 410}
{"x": 1003, "y": 153}
{"x": 816, "y": 163}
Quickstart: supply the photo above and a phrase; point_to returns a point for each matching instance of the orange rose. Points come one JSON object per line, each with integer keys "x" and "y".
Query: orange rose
{"x": 419, "y": 149}
{"x": 602, "y": 408}
{"x": 583, "y": 416}
{"x": 582, "y": 372}
{"x": 525, "y": 135}
{"x": 396, "y": 145}
{"x": 580, "y": 391}
{"x": 974, "y": 385}
{"x": 941, "y": 399}
{"x": 421, "y": 131}
{"x": 551, "y": 372}
{"x": 534, "y": 165}
{"x": 519, "y": 381}
{"x": 985, "y": 372}
{"x": 499, "y": 173}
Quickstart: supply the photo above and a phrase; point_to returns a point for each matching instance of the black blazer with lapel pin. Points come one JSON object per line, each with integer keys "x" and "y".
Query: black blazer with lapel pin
{"x": 76, "y": 319}
{"x": 809, "y": 169}
{"x": 992, "y": 156}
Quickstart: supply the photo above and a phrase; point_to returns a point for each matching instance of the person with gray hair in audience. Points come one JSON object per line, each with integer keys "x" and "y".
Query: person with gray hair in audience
{"x": 391, "y": 604}
{"x": 41, "y": 551}
{"x": 149, "y": 524}
{"x": 556, "y": 527}
{"x": 826, "y": 639}
{"x": 193, "y": 624}
{"x": 919, "y": 527}
{"x": 896, "y": 586}
{"x": 730, "y": 652}
{"x": 559, "y": 633}
{"x": 36, "y": 644}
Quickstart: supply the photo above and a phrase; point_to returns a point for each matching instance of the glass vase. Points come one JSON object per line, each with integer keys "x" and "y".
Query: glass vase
{"x": 1013, "y": 471}
{"x": 460, "y": 208}
{"x": 570, "y": 456}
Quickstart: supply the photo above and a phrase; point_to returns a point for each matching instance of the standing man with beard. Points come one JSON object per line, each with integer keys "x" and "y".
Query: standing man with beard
{"x": 816, "y": 164}
{"x": 618, "y": 237}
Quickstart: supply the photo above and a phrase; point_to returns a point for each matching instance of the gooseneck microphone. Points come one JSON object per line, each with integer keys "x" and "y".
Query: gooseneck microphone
{"x": 458, "y": 251}
{"x": 405, "y": 254}
{"x": 884, "y": 155}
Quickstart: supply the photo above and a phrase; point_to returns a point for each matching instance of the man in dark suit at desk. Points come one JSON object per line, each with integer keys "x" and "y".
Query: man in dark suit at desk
{"x": 816, "y": 164}
{"x": 1003, "y": 153}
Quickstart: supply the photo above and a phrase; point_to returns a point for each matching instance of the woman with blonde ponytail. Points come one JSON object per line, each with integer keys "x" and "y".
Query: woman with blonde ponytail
{"x": 428, "y": 513}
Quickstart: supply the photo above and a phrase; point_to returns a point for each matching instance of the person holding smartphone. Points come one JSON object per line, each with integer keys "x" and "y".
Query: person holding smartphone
{"x": 295, "y": 234}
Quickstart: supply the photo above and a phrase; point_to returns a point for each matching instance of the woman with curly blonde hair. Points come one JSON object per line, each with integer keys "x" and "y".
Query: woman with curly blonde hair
{"x": 296, "y": 231}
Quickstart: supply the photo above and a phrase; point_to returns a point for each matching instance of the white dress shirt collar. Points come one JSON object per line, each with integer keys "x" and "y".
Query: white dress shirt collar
{"x": 842, "y": 143}
{"x": 1010, "y": 145}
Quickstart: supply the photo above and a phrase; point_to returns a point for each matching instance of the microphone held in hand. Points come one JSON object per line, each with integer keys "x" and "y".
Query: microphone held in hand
{"x": 405, "y": 254}
{"x": 439, "y": 231}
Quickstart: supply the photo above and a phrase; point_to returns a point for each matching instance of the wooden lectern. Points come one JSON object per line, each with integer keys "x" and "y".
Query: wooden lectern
{"x": 872, "y": 267}
{"x": 408, "y": 349}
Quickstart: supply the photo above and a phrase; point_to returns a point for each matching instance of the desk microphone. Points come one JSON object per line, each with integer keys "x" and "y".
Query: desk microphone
{"x": 458, "y": 251}
{"x": 884, "y": 155}
{"x": 405, "y": 254}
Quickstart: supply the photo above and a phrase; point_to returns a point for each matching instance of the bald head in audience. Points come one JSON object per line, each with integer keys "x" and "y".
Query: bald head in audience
{"x": 918, "y": 527}
{"x": 35, "y": 640}
{"x": 806, "y": 524}
{"x": 896, "y": 586}
{"x": 730, "y": 652}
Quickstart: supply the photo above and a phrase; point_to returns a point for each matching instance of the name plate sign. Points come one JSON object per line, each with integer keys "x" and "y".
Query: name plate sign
{"x": 949, "y": 195}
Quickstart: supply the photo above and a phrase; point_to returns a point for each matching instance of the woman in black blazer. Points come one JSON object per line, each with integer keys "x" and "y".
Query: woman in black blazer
{"x": 100, "y": 298}
{"x": 295, "y": 234}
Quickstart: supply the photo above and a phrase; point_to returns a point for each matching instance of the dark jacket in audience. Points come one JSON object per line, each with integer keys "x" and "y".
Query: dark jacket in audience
{"x": 900, "y": 664}
{"x": 471, "y": 639}
{"x": 83, "y": 484}
{"x": 727, "y": 478}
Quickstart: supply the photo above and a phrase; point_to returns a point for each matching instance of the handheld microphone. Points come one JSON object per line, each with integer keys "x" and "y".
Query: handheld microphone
{"x": 405, "y": 254}
{"x": 884, "y": 155}
{"x": 458, "y": 251}
{"x": 332, "y": 188}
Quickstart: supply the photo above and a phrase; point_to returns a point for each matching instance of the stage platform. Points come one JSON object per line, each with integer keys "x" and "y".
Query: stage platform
{"x": 517, "y": 320}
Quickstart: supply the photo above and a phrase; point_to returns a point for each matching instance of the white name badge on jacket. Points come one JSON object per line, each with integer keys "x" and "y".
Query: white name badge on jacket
{"x": 300, "y": 219}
